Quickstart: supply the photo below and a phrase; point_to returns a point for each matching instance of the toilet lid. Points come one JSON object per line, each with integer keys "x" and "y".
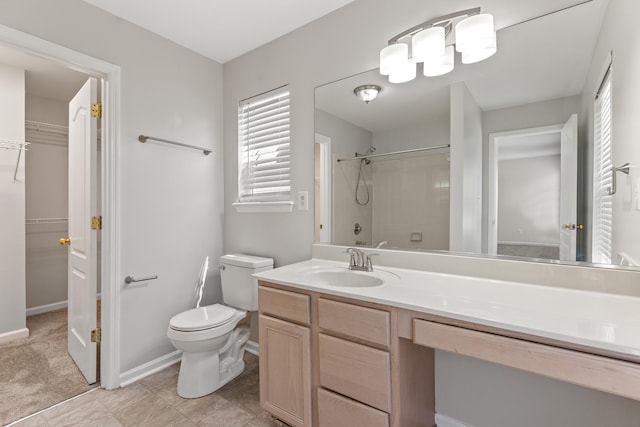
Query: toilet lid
{"x": 201, "y": 318}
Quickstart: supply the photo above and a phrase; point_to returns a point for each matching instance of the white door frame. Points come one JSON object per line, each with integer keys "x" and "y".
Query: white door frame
{"x": 110, "y": 179}
{"x": 325, "y": 187}
{"x": 492, "y": 187}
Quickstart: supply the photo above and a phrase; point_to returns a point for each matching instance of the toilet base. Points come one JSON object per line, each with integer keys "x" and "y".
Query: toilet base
{"x": 205, "y": 372}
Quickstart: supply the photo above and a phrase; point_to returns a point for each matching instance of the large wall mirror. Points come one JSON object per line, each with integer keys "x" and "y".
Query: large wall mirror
{"x": 506, "y": 157}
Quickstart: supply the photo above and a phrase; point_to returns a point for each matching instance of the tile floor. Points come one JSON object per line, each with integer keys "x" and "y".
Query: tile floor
{"x": 153, "y": 401}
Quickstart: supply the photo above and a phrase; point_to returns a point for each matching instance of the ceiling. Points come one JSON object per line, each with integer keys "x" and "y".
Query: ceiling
{"x": 537, "y": 60}
{"x": 227, "y": 20}
{"x": 208, "y": 22}
{"x": 220, "y": 29}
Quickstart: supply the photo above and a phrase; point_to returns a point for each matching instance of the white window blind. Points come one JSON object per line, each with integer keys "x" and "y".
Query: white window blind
{"x": 602, "y": 164}
{"x": 264, "y": 148}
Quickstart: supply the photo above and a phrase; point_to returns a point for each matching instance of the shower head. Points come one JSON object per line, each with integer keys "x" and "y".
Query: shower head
{"x": 371, "y": 150}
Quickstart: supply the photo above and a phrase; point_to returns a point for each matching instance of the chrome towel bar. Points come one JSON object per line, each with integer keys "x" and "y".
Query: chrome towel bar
{"x": 131, "y": 279}
{"x": 144, "y": 138}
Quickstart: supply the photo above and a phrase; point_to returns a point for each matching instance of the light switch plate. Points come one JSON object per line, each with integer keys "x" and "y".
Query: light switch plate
{"x": 303, "y": 200}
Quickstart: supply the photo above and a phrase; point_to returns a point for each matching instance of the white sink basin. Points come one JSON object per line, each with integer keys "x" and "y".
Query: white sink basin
{"x": 344, "y": 279}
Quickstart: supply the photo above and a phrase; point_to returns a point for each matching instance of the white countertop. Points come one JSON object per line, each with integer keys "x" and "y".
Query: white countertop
{"x": 605, "y": 321}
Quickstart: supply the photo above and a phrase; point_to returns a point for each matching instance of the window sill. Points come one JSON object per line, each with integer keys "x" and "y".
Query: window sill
{"x": 263, "y": 207}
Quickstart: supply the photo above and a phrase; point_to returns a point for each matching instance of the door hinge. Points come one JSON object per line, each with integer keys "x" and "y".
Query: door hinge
{"x": 96, "y": 223}
{"x": 96, "y": 335}
{"x": 96, "y": 111}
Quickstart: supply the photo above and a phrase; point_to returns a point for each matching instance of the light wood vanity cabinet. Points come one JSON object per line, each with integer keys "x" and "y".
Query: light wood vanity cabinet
{"x": 354, "y": 370}
{"x": 285, "y": 356}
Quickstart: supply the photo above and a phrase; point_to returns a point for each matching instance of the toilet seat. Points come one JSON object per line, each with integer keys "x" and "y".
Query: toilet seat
{"x": 202, "y": 318}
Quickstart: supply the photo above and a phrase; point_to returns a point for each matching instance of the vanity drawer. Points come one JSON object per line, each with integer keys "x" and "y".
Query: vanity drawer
{"x": 355, "y": 370}
{"x": 363, "y": 323}
{"x": 284, "y": 305}
{"x": 338, "y": 411}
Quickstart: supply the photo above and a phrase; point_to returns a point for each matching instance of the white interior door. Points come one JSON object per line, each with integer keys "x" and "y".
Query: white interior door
{"x": 82, "y": 280}
{"x": 568, "y": 189}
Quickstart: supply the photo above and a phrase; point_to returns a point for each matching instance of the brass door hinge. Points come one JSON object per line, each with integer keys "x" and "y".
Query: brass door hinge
{"x": 96, "y": 223}
{"x": 96, "y": 111}
{"x": 96, "y": 335}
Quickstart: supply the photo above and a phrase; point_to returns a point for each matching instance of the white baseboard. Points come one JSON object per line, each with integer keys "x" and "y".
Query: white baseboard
{"x": 50, "y": 307}
{"x": 253, "y": 348}
{"x": 149, "y": 368}
{"x": 445, "y": 421}
{"x": 46, "y": 308}
{"x": 14, "y": 335}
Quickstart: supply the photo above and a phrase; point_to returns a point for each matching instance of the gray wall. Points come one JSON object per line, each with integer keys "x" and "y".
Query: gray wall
{"x": 339, "y": 45}
{"x": 12, "y": 206}
{"x": 346, "y": 140}
{"x": 170, "y": 197}
{"x": 465, "y": 225}
{"x": 47, "y": 197}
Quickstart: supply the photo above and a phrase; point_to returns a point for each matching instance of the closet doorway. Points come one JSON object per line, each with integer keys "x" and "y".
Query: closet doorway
{"x": 110, "y": 185}
{"x": 48, "y": 89}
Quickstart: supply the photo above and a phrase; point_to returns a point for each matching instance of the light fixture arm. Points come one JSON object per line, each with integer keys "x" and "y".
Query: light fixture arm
{"x": 431, "y": 22}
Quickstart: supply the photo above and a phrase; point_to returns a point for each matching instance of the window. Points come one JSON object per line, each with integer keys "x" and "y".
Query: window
{"x": 264, "y": 161}
{"x": 602, "y": 164}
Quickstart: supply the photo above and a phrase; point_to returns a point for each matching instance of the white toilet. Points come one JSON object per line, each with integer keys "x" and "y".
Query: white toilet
{"x": 211, "y": 343}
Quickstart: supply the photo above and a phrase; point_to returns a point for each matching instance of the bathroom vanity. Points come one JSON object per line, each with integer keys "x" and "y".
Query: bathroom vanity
{"x": 327, "y": 360}
{"x": 339, "y": 347}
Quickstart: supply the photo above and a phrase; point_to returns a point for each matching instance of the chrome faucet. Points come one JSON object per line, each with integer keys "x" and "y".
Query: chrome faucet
{"x": 359, "y": 261}
{"x": 381, "y": 244}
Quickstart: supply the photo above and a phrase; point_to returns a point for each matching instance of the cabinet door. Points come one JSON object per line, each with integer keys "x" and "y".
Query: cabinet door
{"x": 285, "y": 370}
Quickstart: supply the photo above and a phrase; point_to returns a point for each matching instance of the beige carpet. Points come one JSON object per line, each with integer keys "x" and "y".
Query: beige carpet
{"x": 36, "y": 372}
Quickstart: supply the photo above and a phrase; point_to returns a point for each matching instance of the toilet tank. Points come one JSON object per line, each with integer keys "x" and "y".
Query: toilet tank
{"x": 239, "y": 289}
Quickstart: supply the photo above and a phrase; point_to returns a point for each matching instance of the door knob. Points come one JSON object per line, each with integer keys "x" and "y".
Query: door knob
{"x": 65, "y": 241}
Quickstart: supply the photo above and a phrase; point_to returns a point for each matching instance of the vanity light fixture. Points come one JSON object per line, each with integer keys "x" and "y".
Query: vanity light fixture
{"x": 367, "y": 93}
{"x": 475, "y": 39}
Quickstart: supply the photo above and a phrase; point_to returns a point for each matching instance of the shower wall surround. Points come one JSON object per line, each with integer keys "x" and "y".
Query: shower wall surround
{"x": 408, "y": 202}
{"x": 411, "y": 202}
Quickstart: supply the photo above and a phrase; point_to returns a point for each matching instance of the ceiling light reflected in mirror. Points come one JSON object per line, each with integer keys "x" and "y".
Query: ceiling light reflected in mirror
{"x": 367, "y": 93}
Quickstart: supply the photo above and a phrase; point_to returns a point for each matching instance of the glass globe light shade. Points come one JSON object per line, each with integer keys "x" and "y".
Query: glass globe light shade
{"x": 474, "y": 30}
{"x": 367, "y": 93}
{"x": 440, "y": 65}
{"x": 403, "y": 73}
{"x": 481, "y": 50}
{"x": 392, "y": 56}
{"x": 427, "y": 44}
